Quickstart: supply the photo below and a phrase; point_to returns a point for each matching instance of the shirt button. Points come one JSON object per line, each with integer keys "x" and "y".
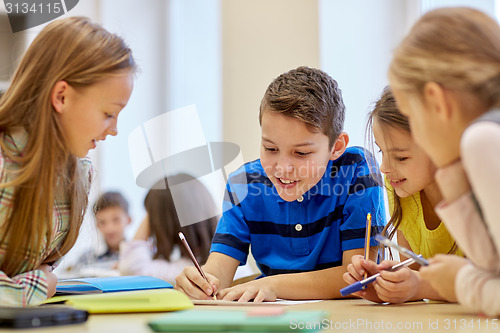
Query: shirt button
{"x": 298, "y": 227}
{"x": 300, "y": 199}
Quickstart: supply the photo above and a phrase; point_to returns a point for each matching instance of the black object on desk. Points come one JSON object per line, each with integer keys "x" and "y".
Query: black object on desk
{"x": 40, "y": 316}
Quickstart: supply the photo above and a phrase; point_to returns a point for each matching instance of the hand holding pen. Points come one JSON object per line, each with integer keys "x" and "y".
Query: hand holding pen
{"x": 193, "y": 259}
{"x": 360, "y": 285}
{"x": 395, "y": 285}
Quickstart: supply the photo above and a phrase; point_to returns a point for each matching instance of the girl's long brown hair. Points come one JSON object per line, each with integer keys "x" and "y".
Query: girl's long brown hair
{"x": 164, "y": 220}
{"x": 81, "y": 53}
{"x": 387, "y": 114}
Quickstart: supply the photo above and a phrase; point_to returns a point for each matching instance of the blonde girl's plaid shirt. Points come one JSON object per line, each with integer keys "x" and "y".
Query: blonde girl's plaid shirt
{"x": 30, "y": 287}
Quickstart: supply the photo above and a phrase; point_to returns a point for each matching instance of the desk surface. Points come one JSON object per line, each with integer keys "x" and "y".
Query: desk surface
{"x": 353, "y": 315}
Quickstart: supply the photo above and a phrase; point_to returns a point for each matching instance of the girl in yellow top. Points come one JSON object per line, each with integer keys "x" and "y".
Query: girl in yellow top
{"x": 412, "y": 194}
{"x": 415, "y": 232}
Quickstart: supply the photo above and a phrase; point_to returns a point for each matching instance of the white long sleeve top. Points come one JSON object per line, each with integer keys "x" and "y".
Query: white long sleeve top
{"x": 477, "y": 230}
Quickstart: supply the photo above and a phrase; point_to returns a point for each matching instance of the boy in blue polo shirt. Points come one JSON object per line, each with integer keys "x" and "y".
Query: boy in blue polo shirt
{"x": 301, "y": 207}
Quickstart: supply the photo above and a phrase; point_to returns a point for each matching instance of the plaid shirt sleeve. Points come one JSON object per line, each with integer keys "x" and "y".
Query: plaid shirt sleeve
{"x": 29, "y": 288}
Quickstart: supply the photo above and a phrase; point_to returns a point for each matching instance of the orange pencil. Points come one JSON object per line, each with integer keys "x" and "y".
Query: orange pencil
{"x": 367, "y": 238}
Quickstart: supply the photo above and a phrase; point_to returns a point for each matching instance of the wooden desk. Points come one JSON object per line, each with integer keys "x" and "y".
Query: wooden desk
{"x": 364, "y": 316}
{"x": 353, "y": 315}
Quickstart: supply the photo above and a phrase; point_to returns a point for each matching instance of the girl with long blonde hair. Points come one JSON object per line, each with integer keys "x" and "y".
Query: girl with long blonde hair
{"x": 64, "y": 96}
{"x": 445, "y": 76}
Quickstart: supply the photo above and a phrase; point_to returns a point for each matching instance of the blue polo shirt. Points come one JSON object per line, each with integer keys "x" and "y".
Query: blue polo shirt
{"x": 308, "y": 234}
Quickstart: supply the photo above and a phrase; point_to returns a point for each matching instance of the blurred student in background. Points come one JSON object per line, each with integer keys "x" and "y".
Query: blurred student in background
{"x": 111, "y": 214}
{"x": 112, "y": 218}
{"x": 156, "y": 249}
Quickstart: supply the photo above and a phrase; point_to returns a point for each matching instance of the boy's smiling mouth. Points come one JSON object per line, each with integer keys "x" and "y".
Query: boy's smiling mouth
{"x": 286, "y": 183}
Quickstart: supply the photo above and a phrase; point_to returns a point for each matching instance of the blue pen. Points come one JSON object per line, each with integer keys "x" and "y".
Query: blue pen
{"x": 357, "y": 286}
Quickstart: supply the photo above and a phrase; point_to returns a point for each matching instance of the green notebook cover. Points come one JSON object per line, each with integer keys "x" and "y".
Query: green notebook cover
{"x": 239, "y": 321}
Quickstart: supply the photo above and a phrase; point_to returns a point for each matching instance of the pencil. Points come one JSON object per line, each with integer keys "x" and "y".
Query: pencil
{"x": 193, "y": 259}
{"x": 367, "y": 238}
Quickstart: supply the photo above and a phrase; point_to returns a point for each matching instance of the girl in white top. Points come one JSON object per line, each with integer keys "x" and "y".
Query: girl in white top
{"x": 444, "y": 76}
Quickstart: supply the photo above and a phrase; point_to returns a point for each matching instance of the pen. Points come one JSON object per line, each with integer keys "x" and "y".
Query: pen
{"x": 367, "y": 237}
{"x": 403, "y": 250}
{"x": 357, "y": 286}
{"x": 193, "y": 258}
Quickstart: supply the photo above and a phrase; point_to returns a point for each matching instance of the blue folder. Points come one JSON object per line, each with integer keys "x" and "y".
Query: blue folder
{"x": 109, "y": 284}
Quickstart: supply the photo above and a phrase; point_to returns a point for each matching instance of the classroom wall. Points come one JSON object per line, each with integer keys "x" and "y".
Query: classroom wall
{"x": 351, "y": 40}
{"x": 357, "y": 39}
{"x": 147, "y": 35}
{"x": 260, "y": 40}
{"x": 487, "y": 6}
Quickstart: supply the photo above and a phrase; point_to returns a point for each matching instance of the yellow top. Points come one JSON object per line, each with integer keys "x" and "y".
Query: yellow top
{"x": 422, "y": 240}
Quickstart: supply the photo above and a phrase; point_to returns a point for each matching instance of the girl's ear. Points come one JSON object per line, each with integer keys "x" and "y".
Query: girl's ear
{"x": 436, "y": 100}
{"x": 339, "y": 146}
{"x": 58, "y": 96}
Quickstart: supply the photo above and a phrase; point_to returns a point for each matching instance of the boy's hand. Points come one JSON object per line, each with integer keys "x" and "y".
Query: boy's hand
{"x": 396, "y": 287}
{"x": 194, "y": 285}
{"x": 253, "y": 290}
{"x": 51, "y": 279}
{"x": 355, "y": 272}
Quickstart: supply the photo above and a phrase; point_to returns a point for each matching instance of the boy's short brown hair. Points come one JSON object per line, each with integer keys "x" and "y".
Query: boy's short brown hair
{"x": 310, "y": 95}
{"x": 110, "y": 199}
